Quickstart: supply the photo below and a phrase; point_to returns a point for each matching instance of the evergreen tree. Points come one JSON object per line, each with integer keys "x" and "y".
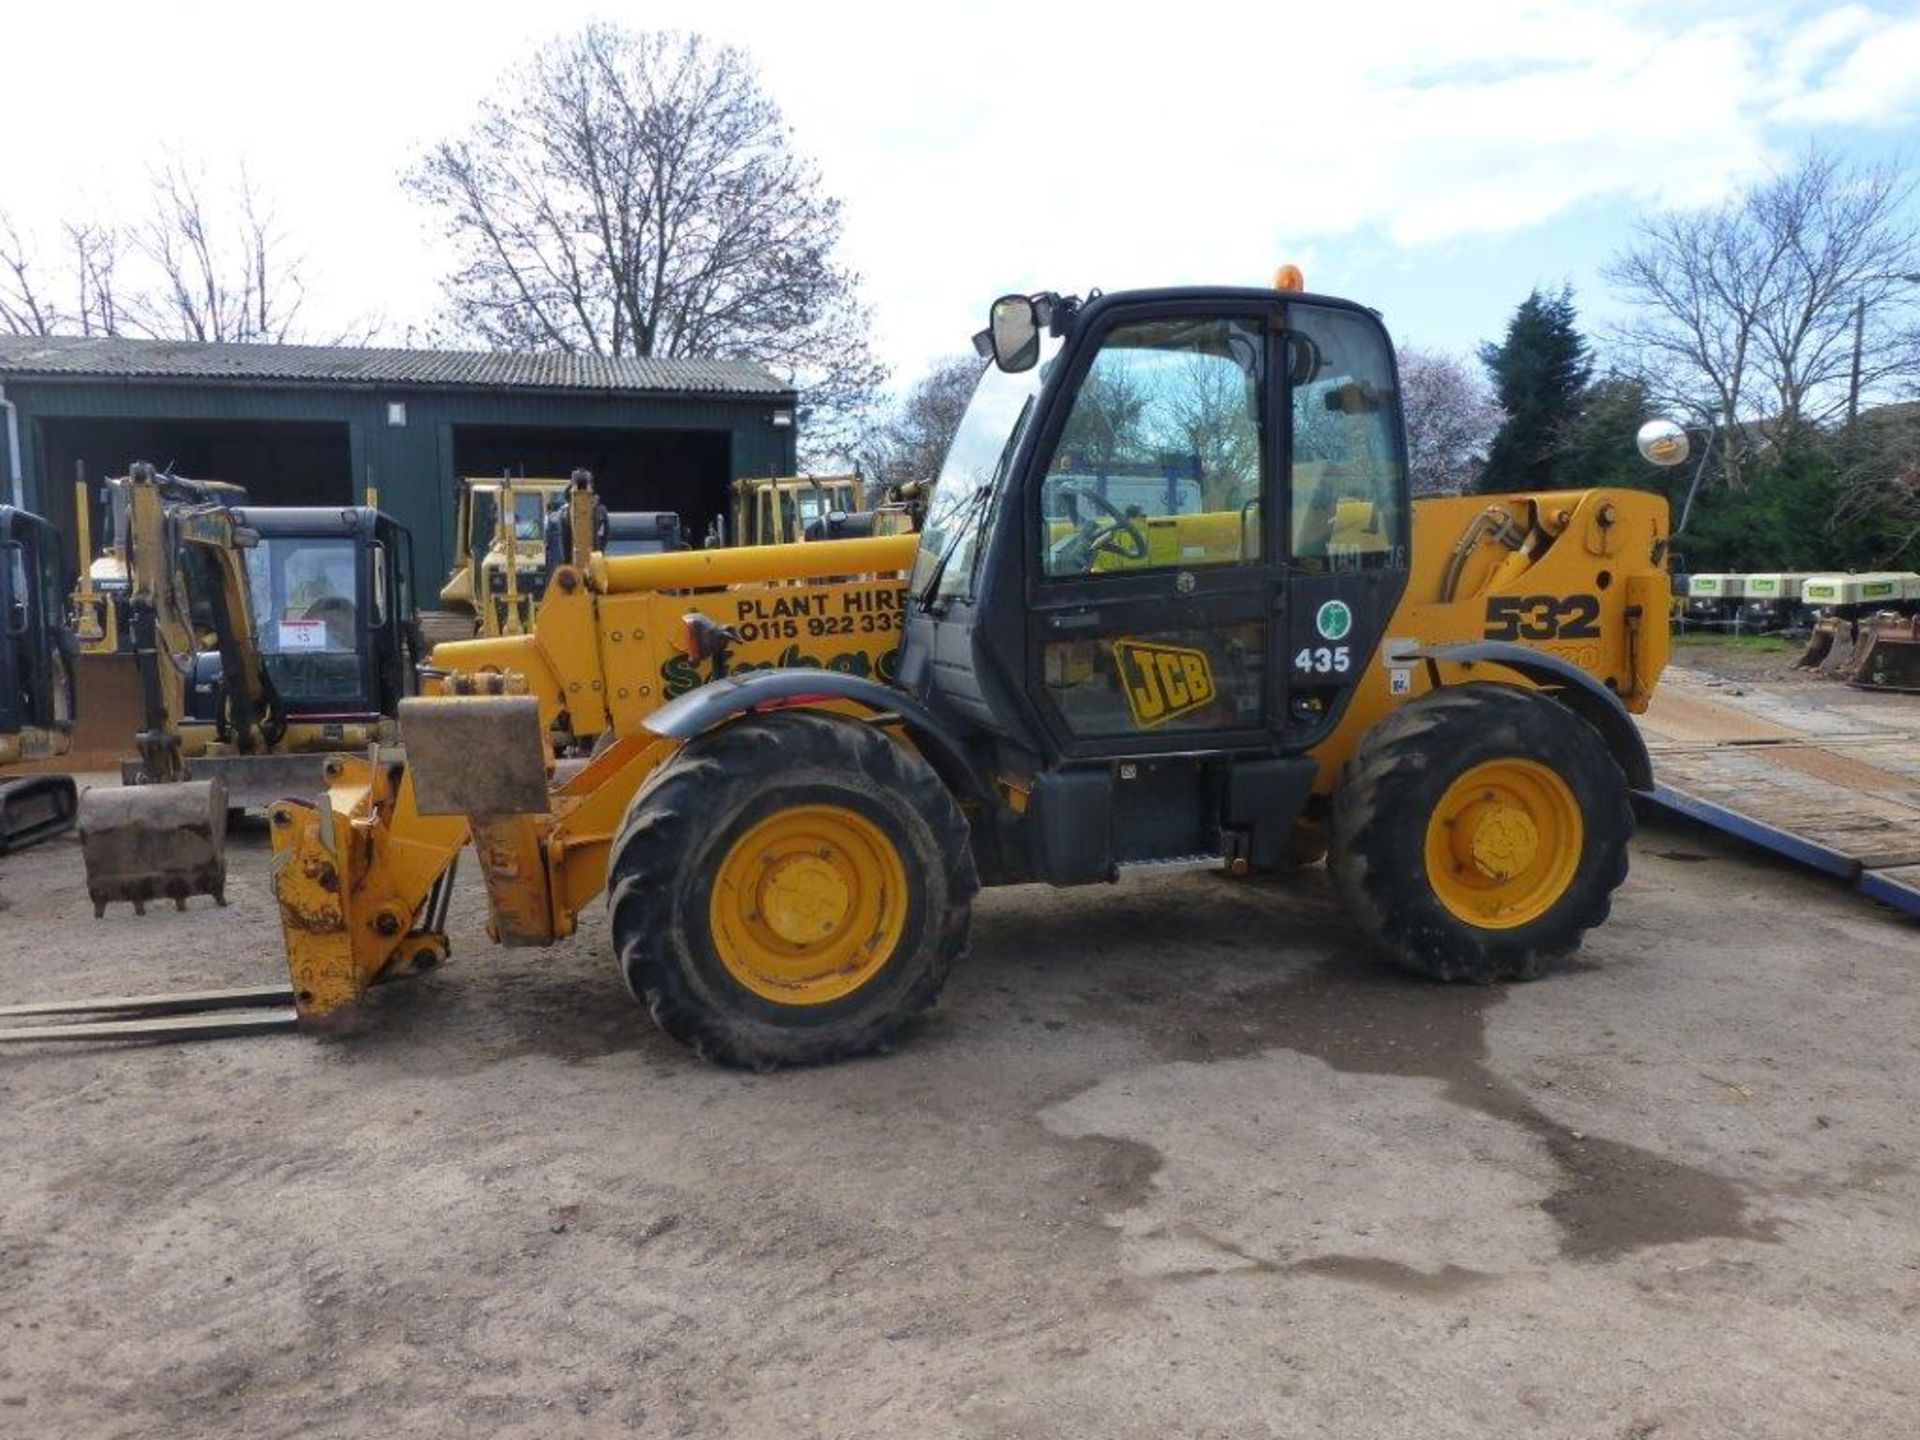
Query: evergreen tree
{"x": 1599, "y": 445}
{"x": 1539, "y": 373}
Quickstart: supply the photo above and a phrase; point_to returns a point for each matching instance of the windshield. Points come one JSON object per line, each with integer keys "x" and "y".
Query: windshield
{"x": 529, "y": 518}
{"x": 976, "y": 465}
{"x": 306, "y": 613}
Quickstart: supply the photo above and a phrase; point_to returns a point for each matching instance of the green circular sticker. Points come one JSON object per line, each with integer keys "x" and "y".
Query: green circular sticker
{"x": 1333, "y": 620}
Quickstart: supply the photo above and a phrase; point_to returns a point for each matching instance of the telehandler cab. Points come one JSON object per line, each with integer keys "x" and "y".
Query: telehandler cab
{"x": 1172, "y": 602}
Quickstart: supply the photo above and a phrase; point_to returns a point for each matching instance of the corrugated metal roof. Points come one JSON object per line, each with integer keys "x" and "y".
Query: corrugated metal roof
{"x": 79, "y": 357}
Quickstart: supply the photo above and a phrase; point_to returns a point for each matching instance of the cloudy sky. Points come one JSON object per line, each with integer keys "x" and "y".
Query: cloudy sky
{"x": 1434, "y": 160}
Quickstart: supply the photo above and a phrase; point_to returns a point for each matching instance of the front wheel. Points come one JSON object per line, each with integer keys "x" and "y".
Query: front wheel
{"x": 789, "y": 889}
{"x": 1480, "y": 830}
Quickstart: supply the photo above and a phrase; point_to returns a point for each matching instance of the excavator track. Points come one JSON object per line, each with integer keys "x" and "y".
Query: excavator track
{"x": 34, "y": 808}
{"x": 183, "y": 1015}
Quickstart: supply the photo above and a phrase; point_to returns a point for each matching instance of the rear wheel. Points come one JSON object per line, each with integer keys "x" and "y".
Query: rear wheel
{"x": 789, "y": 889}
{"x": 1479, "y": 831}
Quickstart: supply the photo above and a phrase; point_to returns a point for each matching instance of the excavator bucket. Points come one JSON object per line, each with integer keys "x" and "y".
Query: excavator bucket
{"x": 1831, "y": 646}
{"x": 1819, "y": 644}
{"x": 1888, "y": 655}
{"x": 35, "y": 808}
{"x": 154, "y": 842}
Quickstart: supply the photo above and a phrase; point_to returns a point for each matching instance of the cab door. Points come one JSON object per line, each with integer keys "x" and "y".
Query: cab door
{"x": 1154, "y": 584}
{"x": 16, "y": 683}
{"x": 1346, "y": 508}
{"x": 1158, "y": 590}
{"x": 1155, "y": 587}
{"x": 36, "y": 648}
{"x": 1216, "y": 536}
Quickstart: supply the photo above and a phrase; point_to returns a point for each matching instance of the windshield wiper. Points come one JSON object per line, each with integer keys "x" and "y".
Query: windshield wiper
{"x": 923, "y": 602}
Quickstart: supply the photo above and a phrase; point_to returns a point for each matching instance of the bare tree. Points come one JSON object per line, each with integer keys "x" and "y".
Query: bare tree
{"x": 912, "y": 443}
{"x": 194, "y": 265}
{"x": 638, "y": 194}
{"x": 1450, "y": 415}
{"x": 27, "y": 305}
{"x": 217, "y": 276}
{"x": 1747, "y": 313}
{"x": 94, "y": 252}
{"x": 1879, "y": 484}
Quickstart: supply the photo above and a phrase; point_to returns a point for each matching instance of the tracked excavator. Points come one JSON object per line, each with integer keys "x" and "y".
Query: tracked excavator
{"x": 1208, "y": 625}
{"x": 263, "y": 638}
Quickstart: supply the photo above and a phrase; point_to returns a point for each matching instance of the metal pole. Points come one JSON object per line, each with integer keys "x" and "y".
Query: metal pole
{"x": 1693, "y": 489}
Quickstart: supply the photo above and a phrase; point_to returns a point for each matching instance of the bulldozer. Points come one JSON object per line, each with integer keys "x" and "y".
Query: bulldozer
{"x": 501, "y": 568}
{"x": 526, "y": 519}
{"x": 36, "y": 682}
{"x": 801, "y": 770}
{"x": 779, "y": 510}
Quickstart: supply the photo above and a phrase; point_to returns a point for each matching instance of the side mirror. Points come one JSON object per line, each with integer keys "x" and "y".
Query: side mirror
{"x": 1662, "y": 443}
{"x": 1013, "y": 332}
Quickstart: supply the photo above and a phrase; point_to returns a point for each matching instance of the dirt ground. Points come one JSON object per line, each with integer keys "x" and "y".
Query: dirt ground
{"x": 1764, "y": 658}
{"x": 1172, "y": 1158}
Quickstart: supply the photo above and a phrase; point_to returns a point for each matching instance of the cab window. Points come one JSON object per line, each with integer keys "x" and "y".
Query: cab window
{"x": 18, "y": 593}
{"x": 1347, "y": 494}
{"x": 1160, "y": 460}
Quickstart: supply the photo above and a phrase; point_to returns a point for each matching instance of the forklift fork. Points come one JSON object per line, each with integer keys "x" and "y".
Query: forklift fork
{"x": 184, "y": 1015}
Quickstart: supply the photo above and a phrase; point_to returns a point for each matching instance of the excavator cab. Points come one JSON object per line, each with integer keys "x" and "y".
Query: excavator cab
{"x": 332, "y": 601}
{"x": 36, "y": 678}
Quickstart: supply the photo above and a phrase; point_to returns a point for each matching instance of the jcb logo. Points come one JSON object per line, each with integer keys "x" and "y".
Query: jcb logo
{"x": 1162, "y": 681}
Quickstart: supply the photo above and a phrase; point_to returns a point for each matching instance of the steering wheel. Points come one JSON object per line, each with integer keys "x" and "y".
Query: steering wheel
{"x": 1078, "y": 550}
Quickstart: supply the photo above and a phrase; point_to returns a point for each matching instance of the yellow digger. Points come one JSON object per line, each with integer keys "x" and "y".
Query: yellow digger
{"x": 1204, "y": 624}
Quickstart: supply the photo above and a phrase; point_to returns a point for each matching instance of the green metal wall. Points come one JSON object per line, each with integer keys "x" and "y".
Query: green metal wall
{"x": 410, "y": 465}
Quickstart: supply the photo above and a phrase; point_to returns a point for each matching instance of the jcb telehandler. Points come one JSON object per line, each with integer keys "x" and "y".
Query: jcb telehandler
{"x": 1172, "y": 602}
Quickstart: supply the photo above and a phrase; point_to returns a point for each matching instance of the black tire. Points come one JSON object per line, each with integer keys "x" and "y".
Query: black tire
{"x": 682, "y": 825}
{"x": 1399, "y": 774}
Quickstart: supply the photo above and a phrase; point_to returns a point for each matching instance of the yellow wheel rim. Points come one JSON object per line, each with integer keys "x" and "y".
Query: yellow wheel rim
{"x": 1503, "y": 843}
{"x": 809, "y": 905}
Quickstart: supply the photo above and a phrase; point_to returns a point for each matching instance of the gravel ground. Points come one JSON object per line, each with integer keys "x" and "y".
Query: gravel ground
{"x": 1171, "y": 1159}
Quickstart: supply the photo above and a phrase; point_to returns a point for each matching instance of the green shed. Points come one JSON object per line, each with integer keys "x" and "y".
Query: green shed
{"x": 321, "y": 424}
